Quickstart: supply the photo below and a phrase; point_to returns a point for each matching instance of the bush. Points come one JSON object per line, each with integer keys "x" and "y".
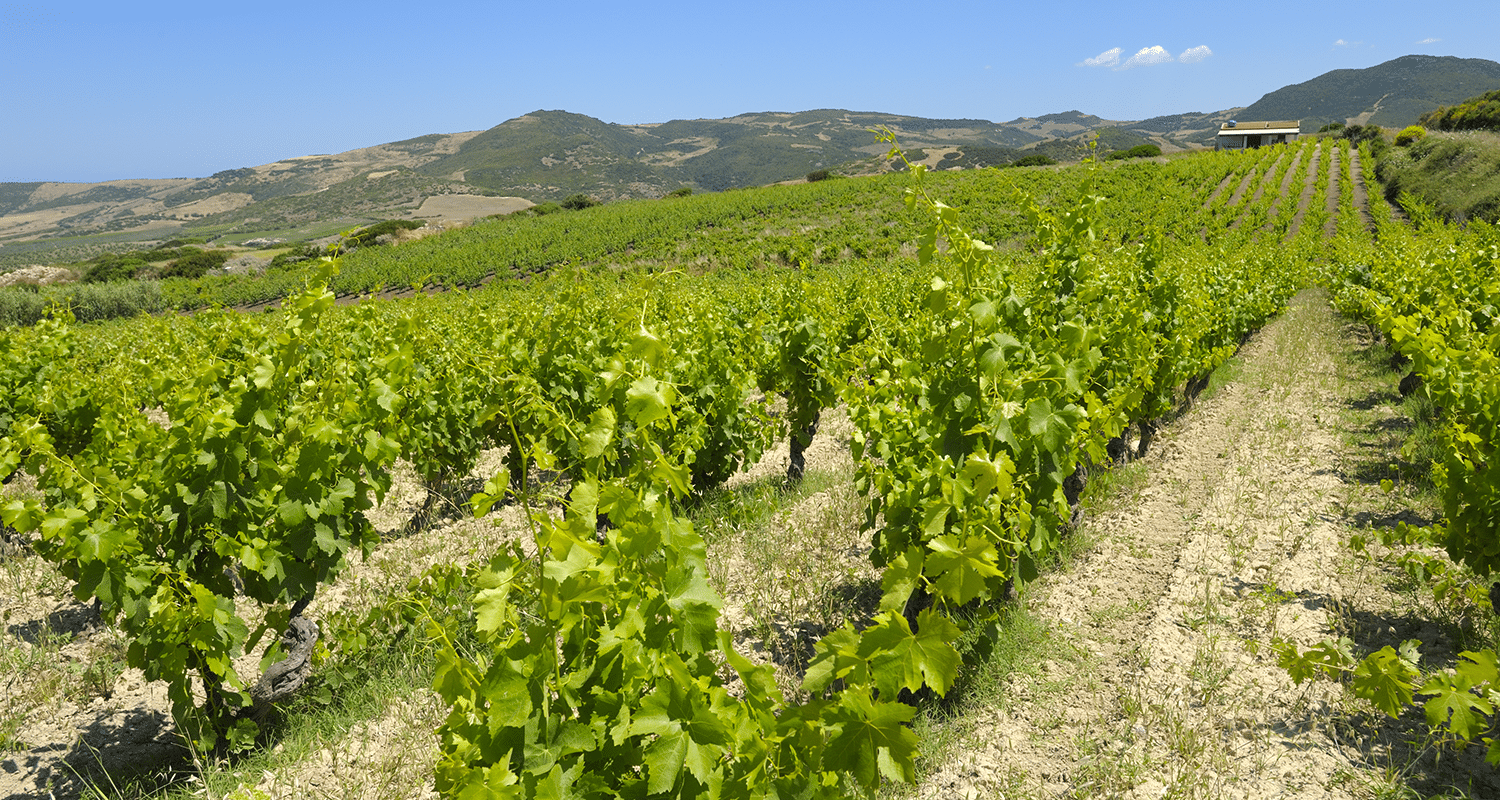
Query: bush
{"x": 578, "y": 202}
{"x": 1410, "y": 134}
{"x": 1139, "y": 151}
{"x": 196, "y": 263}
{"x": 818, "y": 175}
{"x": 1332, "y": 127}
{"x": 1363, "y": 133}
{"x": 681, "y": 191}
{"x": 366, "y": 237}
{"x": 112, "y": 267}
{"x": 283, "y": 262}
{"x": 1033, "y": 160}
{"x": 1476, "y": 113}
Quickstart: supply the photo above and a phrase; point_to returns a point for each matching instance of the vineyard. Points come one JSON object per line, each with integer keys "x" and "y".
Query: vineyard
{"x": 752, "y": 494}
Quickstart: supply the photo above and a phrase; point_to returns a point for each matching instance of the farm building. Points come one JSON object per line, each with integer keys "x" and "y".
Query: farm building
{"x": 1240, "y": 135}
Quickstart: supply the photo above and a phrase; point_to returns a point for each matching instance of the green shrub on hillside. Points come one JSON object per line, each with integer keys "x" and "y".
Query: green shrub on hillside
{"x": 1033, "y": 160}
{"x": 818, "y": 175}
{"x": 283, "y": 262}
{"x": 578, "y": 202}
{"x": 366, "y": 237}
{"x": 1139, "y": 151}
{"x": 681, "y": 191}
{"x": 196, "y": 264}
{"x": 1410, "y": 134}
{"x": 1476, "y": 113}
{"x": 110, "y": 267}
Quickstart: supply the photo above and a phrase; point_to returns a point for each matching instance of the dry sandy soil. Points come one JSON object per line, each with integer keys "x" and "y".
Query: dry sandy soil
{"x": 455, "y": 207}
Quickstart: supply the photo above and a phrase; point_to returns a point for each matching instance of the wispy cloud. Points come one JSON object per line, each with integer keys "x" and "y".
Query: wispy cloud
{"x": 1193, "y": 55}
{"x": 1343, "y": 43}
{"x": 1147, "y": 56}
{"x": 1108, "y": 58}
{"x": 1430, "y": 40}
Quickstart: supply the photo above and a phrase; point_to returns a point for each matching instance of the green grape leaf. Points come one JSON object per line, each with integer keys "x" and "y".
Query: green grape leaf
{"x": 900, "y": 659}
{"x": 600, "y": 432}
{"x": 1455, "y": 706}
{"x": 961, "y": 568}
{"x": 1386, "y": 680}
{"x": 648, "y": 400}
{"x": 867, "y": 731}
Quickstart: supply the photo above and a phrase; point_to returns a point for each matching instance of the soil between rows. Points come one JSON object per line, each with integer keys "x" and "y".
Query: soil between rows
{"x": 1162, "y": 681}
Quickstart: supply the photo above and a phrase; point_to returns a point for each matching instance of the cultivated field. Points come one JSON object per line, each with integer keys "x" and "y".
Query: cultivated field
{"x": 793, "y": 488}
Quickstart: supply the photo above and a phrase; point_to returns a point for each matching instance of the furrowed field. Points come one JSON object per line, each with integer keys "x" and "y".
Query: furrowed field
{"x": 1089, "y": 482}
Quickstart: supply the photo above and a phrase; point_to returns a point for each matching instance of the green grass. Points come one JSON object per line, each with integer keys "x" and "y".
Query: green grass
{"x": 1457, "y": 173}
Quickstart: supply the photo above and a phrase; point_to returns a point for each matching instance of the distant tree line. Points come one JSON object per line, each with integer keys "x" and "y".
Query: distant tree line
{"x": 979, "y": 156}
{"x": 1139, "y": 151}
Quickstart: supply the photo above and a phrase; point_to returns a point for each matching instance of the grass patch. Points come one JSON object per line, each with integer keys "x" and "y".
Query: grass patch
{"x": 1457, "y": 173}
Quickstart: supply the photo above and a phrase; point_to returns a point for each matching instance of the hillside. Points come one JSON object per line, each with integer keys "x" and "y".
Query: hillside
{"x": 1392, "y": 95}
{"x": 1476, "y": 113}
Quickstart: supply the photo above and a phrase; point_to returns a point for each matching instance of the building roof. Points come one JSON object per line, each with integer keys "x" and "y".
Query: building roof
{"x": 1282, "y": 126}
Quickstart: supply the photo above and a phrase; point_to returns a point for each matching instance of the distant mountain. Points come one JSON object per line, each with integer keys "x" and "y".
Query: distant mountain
{"x": 551, "y": 154}
{"x": 1393, "y": 94}
{"x": 548, "y": 155}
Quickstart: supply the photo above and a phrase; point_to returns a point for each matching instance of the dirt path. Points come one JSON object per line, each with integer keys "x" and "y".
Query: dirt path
{"x": 1239, "y": 191}
{"x": 1361, "y": 191}
{"x": 1162, "y": 682}
{"x": 1309, "y": 187}
{"x": 1283, "y": 192}
{"x": 1214, "y": 195}
{"x": 1260, "y": 191}
{"x": 1330, "y": 225}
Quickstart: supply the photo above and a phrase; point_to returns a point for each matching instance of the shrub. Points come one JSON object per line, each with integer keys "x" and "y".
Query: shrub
{"x": 1033, "y": 160}
{"x": 1473, "y": 114}
{"x": 1332, "y": 127}
{"x": 113, "y": 267}
{"x": 196, "y": 263}
{"x": 366, "y": 237}
{"x": 284, "y": 261}
{"x": 681, "y": 191}
{"x": 818, "y": 175}
{"x": 1363, "y": 133}
{"x": 578, "y": 202}
{"x": 1410, "y": 134}
{"x": 1139, "y": 151}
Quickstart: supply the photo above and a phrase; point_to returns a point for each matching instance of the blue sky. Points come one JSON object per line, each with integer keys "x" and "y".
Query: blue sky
{"x": 101, "y": 91}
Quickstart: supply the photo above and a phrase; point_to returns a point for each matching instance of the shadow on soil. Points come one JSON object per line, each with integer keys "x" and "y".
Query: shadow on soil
{"x": 113, "y": 750}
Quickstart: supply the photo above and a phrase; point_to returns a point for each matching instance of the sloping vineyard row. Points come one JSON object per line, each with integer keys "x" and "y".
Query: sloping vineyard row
{"x": 191, "y": 471}
{"x": 1432, "y": 293}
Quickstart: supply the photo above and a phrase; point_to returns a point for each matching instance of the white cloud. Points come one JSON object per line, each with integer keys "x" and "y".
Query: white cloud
{"x": 1193, "y": 55}
{"x": 1342, "y": 43}
{"x": 1430, "y": 40}
{"x": 1108, "y": 58}
{"x": 1148, "y": 56}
